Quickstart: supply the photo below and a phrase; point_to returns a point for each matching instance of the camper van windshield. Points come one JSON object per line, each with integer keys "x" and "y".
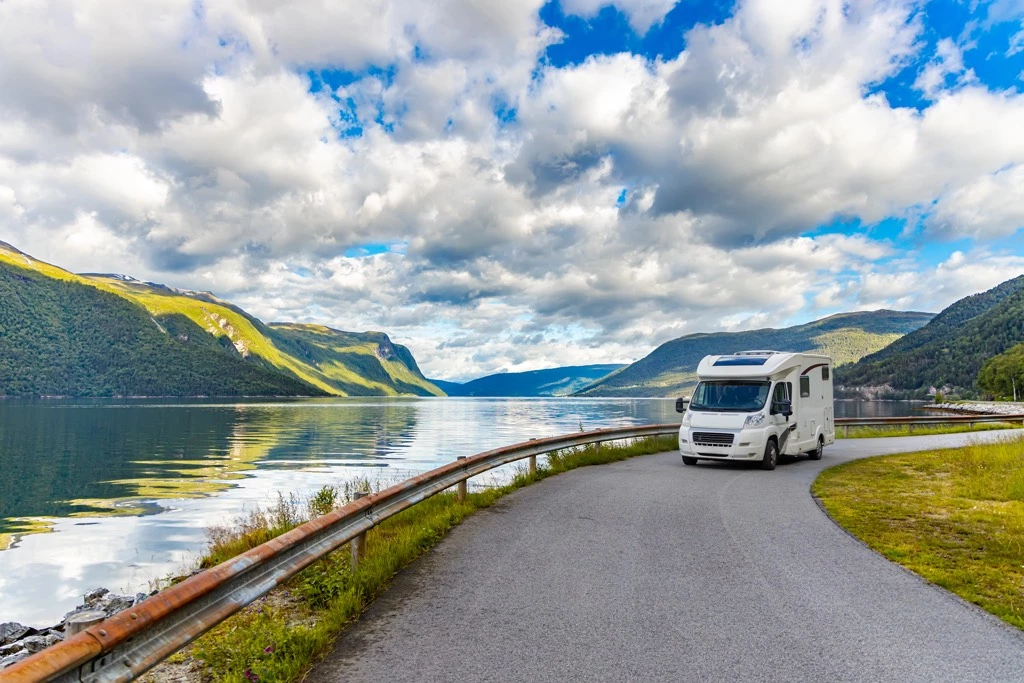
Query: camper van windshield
{"x": 743, "y": 397}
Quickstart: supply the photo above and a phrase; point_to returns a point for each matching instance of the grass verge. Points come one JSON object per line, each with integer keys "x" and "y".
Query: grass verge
{"x": 921, "y": 430}
{"x": 956, "y": 517}
{"x": 281, "y": 635}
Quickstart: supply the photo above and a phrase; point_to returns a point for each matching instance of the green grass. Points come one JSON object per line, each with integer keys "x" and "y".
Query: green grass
{"x": 280, "y": 636}
{"x": 921, "y": 430}
{"x": 956, "y": 517}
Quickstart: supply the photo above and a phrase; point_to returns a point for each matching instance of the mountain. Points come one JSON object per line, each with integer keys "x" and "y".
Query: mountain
{"x": 353, "y": 363}
{"x": 949, "y": 351}
{"x": 551, "y": 382}
{"x": 112, "y": 335}
{"x": 670, "y": 369}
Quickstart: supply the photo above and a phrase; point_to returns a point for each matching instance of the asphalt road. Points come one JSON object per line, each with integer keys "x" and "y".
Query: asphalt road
{"x": 649, "y": 570}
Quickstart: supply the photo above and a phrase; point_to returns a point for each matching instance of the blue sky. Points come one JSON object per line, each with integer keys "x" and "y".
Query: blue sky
{"x": 517, "y": 185}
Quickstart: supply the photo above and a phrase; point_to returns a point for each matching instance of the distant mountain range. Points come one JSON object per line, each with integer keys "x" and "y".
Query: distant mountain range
{"x": 111, "y": 335}
{"x": 949, "y": 351}
{"x": 551, "y": 382}
{"x": 670, "y": 370}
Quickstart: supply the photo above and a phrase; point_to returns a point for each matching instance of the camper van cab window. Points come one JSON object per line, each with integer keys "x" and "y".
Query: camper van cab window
{"x": 730, "y": 396}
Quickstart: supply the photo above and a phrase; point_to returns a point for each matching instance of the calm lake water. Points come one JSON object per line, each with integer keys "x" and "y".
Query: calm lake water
{"x": 119, "y": 493}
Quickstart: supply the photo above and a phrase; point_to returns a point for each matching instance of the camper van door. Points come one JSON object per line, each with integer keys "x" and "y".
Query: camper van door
{"x": 783, "y": 392}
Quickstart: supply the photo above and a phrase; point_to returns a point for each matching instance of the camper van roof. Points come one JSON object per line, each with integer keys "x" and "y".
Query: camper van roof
{"x": 754, "y": 364}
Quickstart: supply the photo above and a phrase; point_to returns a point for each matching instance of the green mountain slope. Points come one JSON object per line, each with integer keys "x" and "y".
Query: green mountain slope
{"x": 1002, "y": 376}
{"x": 670, "y": 369}
{"x": 59, "y": 337}
{"x": 949, "y": 351}
{"x": 550, "y": 382}
{"x": 290, "y": 359}
{"x": 353, "y": 363}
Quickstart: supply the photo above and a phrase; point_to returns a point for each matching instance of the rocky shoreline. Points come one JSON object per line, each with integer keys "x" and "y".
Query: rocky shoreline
{"x": 18, "y": 641}
{"x": 979, "y": 408}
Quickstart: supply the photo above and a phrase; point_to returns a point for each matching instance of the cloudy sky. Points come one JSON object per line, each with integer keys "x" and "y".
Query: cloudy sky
{"x": 519, "y": 184}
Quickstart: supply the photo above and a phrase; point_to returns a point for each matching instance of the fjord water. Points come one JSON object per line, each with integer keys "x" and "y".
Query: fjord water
{"x": 119, "y": 493}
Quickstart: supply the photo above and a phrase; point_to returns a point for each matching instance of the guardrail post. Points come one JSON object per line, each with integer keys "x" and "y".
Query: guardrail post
{"x": 462, "y": 484}
{"x": 533, "y": 465}
{"x": 910, "y": 428}
{"x": 846, "y": 430}
{"x": 597, "y": 449}
{"x": 358, "y": 544}
{"x": 77, "y": 623}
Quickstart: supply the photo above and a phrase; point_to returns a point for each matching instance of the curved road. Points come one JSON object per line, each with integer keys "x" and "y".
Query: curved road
{"x": 649, "y": 570}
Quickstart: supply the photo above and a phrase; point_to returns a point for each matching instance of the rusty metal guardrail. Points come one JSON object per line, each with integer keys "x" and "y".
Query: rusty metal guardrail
{"x": 131, "y": 642}
{"x": 916, "y": 420}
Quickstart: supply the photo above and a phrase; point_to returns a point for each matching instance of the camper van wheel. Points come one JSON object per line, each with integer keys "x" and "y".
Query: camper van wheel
{"x": 689, "y": 461}
{"x": 771, "y": 455}
{"x": 816, "y": 453}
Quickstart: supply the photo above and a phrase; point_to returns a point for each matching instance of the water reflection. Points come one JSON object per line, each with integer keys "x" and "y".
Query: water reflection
{"x": 128, "y": 487}
{"x": 852, "y": 408}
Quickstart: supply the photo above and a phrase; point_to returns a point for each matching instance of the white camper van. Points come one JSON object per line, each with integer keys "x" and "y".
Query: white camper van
{"x": 758, "y": 405}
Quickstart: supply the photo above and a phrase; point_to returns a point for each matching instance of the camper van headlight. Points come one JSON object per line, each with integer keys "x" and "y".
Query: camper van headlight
{"x": 755, "y": 420}
{"x": 686, "y": 419}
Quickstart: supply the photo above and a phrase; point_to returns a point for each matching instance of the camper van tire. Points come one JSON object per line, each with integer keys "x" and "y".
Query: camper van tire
{"x": 689, "y": 461}
{"x": 816, "y": 453}
{"x": 771, "y": 455}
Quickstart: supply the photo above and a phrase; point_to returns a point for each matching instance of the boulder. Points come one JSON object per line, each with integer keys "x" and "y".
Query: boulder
{"x": 95, "y": 595}
{"x": 102, "y": 599}
{"x": 112, "y": 604}
{"x": 11, "y": 659}
{"x": 6, "y": 650}
{"x": 12, "y": 631}
{"x": 39, "y": 643}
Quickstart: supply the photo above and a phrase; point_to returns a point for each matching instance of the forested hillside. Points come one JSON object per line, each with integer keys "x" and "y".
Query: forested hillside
{"x": 671, "y": 368}
{"x": 1002, "y": 376}
{"x": 549, "y": 382}
{"x": 949, "y": 351}
{"x": 354, "y": 363}
{"x": 227, "y": 351}
{"x": 59, "y": 337}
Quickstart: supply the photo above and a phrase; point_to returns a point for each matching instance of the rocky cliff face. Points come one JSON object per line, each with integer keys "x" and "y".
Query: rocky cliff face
{"x": 386, "y": 350}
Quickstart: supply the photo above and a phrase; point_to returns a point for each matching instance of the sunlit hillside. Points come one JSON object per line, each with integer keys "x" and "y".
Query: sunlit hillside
{"x": 160, "y": 323}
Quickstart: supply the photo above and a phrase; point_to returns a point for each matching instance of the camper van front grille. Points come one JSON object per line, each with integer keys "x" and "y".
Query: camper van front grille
{"x": 719, "y": 439}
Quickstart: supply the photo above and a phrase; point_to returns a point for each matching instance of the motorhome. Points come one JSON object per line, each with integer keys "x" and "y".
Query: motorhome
{"x": 758, "y": 406}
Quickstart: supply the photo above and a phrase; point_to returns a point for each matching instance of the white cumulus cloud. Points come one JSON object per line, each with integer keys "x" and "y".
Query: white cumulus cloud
{"x": 531, "y": 213}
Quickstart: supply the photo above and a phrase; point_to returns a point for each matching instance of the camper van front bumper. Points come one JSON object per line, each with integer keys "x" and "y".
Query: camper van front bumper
{"x": 722, "y": 444}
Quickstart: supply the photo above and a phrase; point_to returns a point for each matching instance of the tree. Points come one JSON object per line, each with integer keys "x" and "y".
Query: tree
{"x": 1003, "y": 375}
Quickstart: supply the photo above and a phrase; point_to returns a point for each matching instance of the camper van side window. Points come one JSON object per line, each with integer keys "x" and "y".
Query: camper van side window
{"x": 805, "y": 386}
{"x": 824, "y": 373}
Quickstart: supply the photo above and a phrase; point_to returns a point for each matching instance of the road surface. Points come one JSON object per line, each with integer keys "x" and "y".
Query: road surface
{"x": 648, "y": 570}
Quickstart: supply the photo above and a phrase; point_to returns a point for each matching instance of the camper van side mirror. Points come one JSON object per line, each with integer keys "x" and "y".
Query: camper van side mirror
{"x": 681, "y": 404}
{"x": 783, "y": 407}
